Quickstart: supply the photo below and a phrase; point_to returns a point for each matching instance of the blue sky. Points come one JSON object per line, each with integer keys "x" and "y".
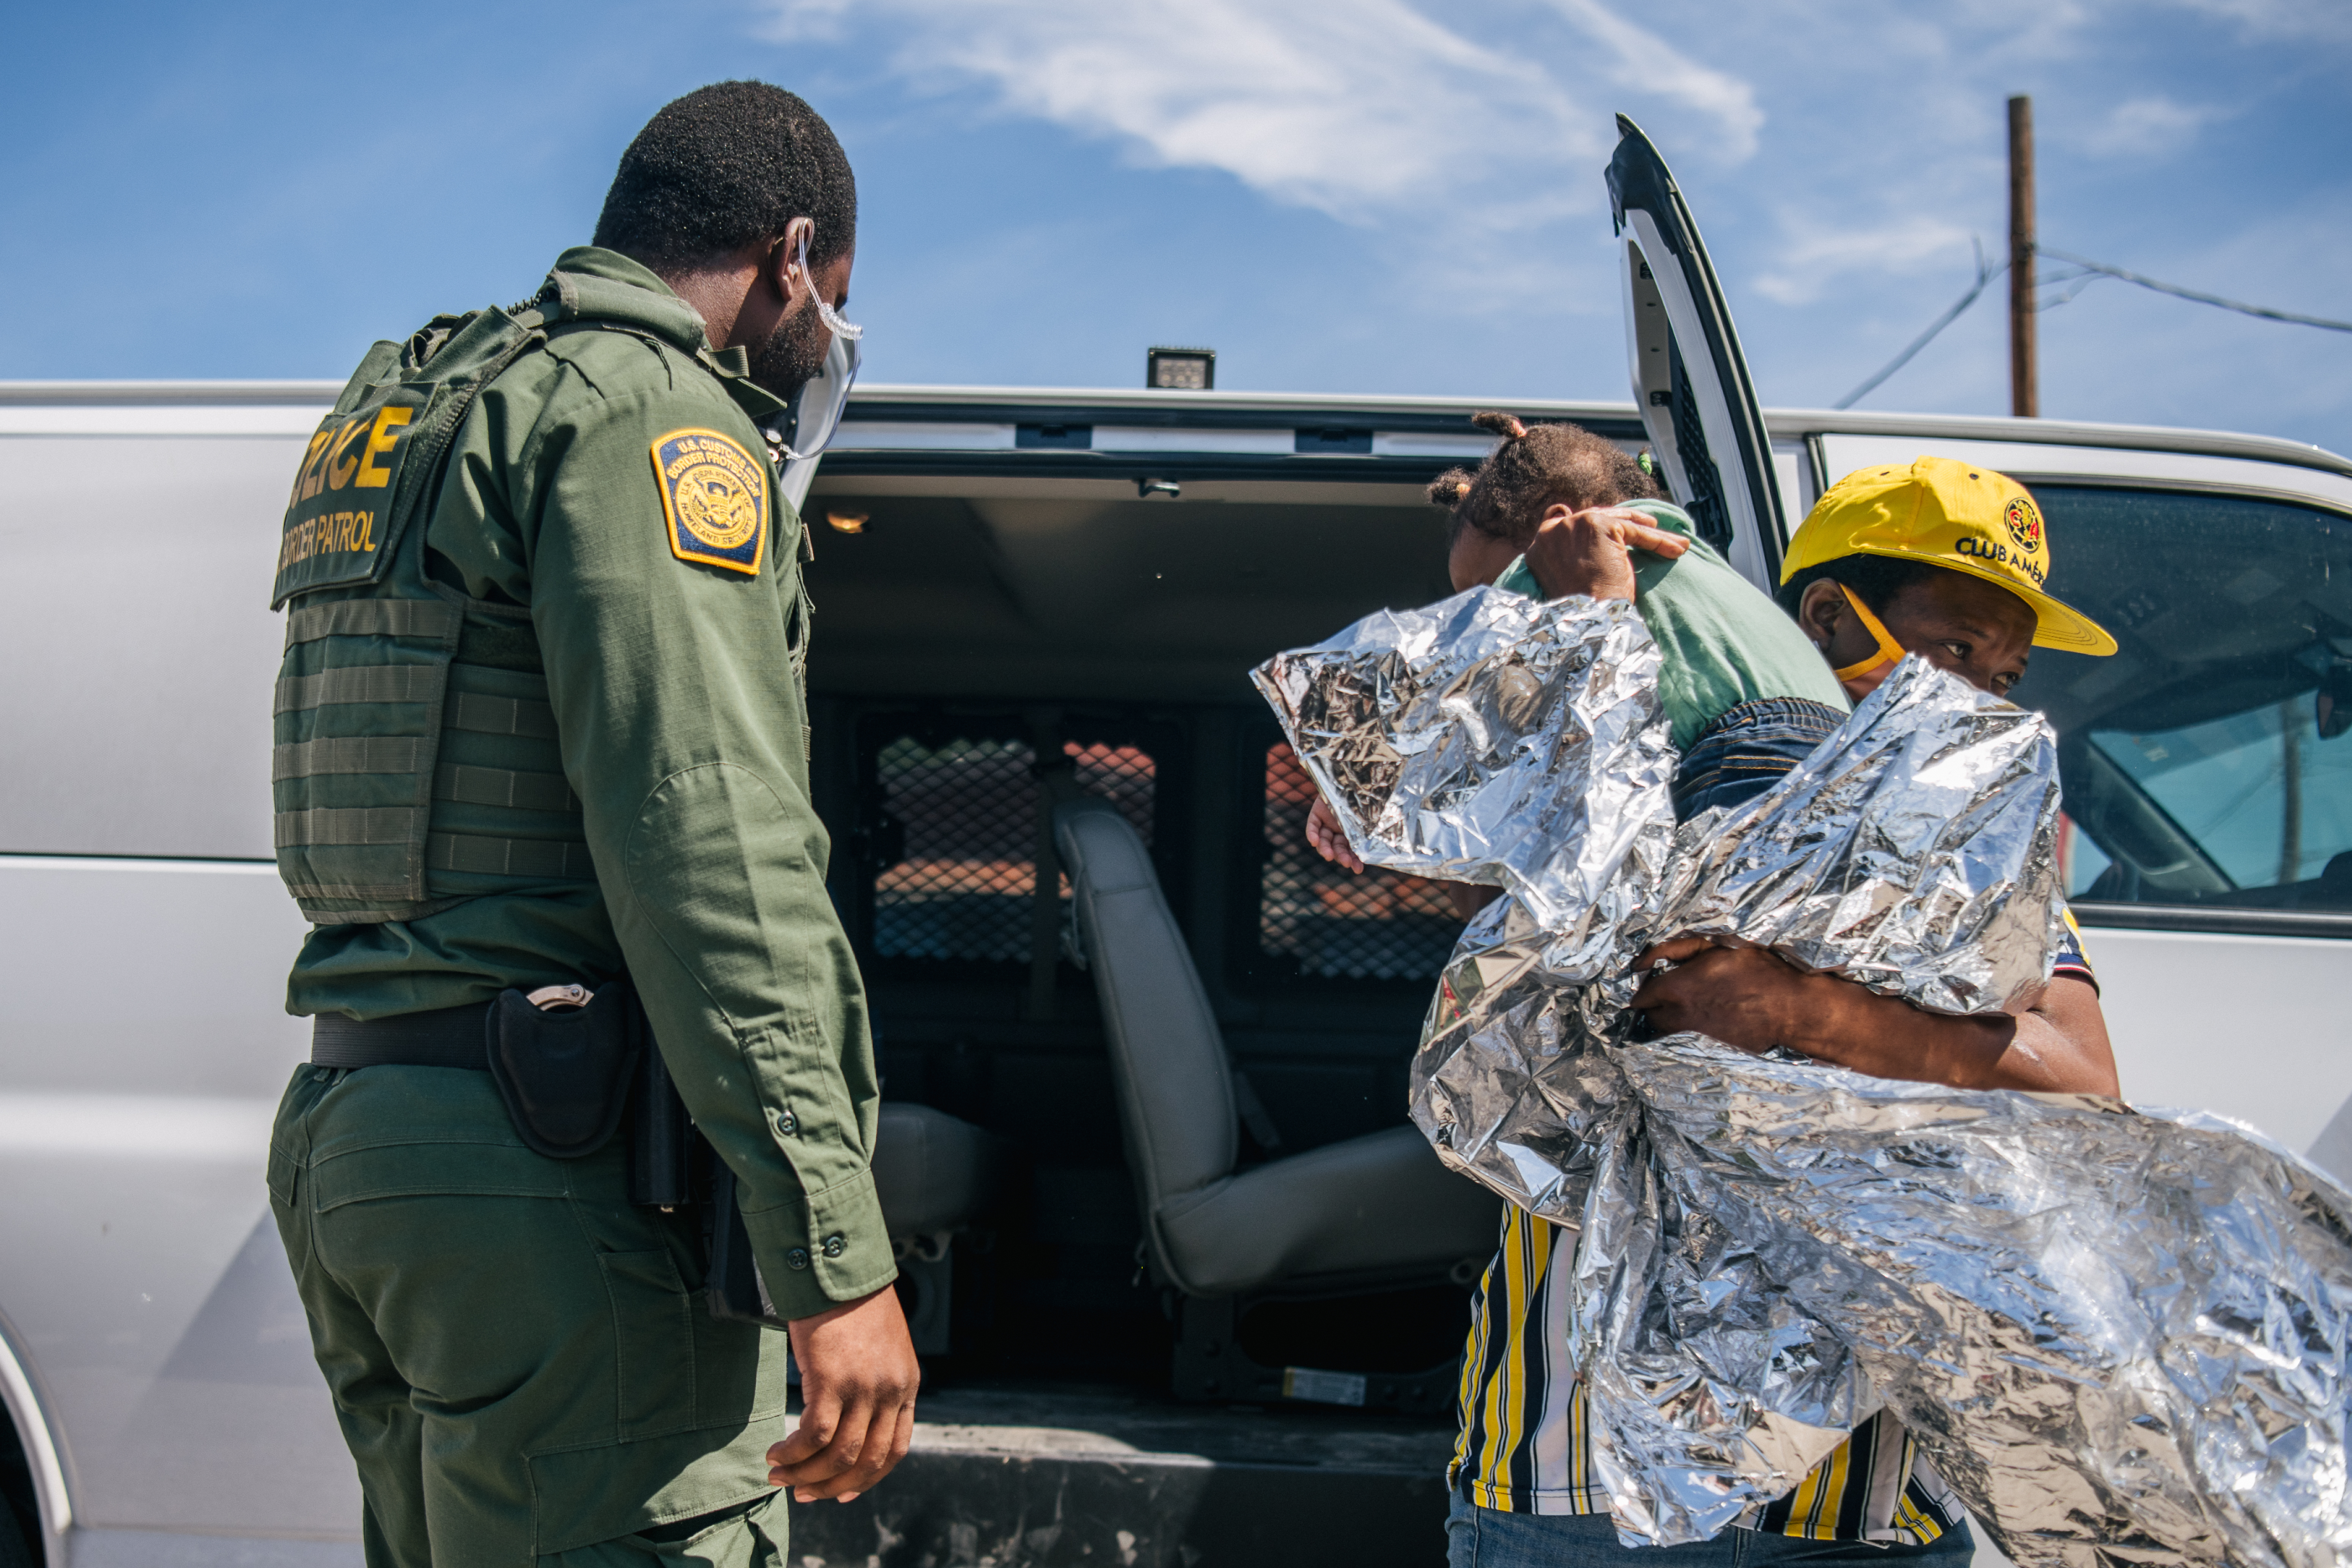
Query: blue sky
{"x": 1371, "y": 195}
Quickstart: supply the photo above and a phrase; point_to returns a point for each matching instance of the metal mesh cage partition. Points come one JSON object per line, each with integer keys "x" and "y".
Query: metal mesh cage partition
{"x": 960, "y": 886}
{"x": 1331, "y": 923}
{"x": 962, "y": 814}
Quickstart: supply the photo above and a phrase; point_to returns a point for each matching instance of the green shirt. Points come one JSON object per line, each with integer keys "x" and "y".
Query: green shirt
{"x": 680, "y": 723}
{"x": 1724, "y": 642}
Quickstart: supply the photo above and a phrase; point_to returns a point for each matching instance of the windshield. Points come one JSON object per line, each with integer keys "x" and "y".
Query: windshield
{"x": 2208, "y": 762}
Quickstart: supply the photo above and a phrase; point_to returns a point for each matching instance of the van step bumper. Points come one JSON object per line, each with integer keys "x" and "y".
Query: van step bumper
{"x": 1041, "y": 1478}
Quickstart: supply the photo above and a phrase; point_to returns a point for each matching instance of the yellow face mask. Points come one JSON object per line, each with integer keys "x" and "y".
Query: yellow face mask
{"x": 1890, "y": 652}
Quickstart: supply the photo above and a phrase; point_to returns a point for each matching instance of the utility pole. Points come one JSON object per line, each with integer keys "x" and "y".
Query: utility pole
{"x": 2024, "y": 359}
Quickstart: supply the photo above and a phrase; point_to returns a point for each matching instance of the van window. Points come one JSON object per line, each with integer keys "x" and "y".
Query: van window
{"x": 2210, "y": 761}
{"x": 1318, "y": 922}
{"x": 962, "y": 816}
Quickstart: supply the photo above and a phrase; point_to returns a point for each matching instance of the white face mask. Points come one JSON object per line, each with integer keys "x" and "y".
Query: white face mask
{"x": 816, "y": 414}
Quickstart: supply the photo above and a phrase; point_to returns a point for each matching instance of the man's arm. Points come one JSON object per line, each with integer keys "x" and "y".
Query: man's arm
{"x": 1748, "y": 997}
{"x": 681, "y": 730}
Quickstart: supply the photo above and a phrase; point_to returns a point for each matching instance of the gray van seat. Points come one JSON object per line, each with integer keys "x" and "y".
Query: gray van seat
{"x": 1369, "y": 1211}
{"x": 934, "y": 1174}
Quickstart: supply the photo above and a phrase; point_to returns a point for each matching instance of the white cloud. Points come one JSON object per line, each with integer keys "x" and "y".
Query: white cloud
{"x": 790, "y": 20}
{"x": 2150, "y": 127}
{"x": 1368, "y": 106}
{"x": 2323, "y": 19}
{"x": 1365, "y": 110}
{"x": 1642, "y": 61}
{"x": 1807, "y": 265}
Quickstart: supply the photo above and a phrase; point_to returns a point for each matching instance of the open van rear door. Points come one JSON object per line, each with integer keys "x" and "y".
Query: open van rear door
{"x": 1690, "y": 380}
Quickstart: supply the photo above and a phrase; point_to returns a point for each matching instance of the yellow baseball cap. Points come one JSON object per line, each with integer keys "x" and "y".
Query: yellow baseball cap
{"x": 1959, "y": 516}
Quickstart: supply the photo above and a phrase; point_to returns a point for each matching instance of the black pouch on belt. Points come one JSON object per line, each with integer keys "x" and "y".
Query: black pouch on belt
{"x": 565, "y": 1076}
{"x": 662, "y": 1139}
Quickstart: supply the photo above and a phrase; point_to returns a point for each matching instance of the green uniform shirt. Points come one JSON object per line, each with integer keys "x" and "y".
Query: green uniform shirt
{"x": 1723, "y": 642}
{"x": 681, "y": 727}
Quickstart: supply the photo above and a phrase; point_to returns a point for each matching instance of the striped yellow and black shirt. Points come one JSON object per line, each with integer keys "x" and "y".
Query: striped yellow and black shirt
{"x": 1524, "y": 1446}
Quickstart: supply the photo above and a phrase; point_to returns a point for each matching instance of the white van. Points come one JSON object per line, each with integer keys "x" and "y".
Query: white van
{"x": 1002, "y": 575}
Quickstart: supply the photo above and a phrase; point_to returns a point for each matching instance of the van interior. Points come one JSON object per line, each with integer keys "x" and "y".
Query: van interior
{"x": 970, "y": 627}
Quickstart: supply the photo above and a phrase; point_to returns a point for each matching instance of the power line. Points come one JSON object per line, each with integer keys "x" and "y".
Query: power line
{"x": 1984, "y": 275}
{"x": 2175, "y": 290}
{"x": 2091, "y": 271}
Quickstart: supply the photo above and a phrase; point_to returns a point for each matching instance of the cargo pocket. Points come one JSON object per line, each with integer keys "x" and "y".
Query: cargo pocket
{"x": 443, "y": 1168}
{"x": 285, "y": 1164}
{"x": 653, "y": 1343}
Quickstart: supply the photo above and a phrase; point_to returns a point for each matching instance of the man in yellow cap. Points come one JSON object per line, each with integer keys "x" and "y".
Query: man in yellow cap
{"x": 1956, "y": 553}
{"x": 1946, "y": 559}
{"x": 1939, "y": 558}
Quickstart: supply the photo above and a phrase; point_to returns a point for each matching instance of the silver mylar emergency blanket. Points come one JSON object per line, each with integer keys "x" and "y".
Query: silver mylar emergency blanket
{"x": 2122, "y": 1336}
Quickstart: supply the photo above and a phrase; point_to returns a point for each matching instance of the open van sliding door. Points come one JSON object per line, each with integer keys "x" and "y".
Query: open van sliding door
{"x": 1690, "y": 379}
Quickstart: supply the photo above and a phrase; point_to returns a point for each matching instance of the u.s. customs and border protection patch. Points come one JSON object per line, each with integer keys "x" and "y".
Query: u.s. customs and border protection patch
{"x": 715, "y": 495}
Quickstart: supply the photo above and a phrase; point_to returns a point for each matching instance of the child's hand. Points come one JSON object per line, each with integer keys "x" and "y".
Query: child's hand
{"x": 1323, "y": 833}
{"x": 1591, "y": 551}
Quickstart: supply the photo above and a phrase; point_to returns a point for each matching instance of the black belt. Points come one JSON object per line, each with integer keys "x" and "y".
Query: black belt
{"x": 445, "y": 1038}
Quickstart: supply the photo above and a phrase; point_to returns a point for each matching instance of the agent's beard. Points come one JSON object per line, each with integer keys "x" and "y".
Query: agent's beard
{"x": 791, "y": 356}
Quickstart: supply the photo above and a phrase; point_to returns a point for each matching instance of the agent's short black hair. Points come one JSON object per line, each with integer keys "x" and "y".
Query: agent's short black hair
{"x": 1874, "y": 579}
{"x": 725, "y": 166}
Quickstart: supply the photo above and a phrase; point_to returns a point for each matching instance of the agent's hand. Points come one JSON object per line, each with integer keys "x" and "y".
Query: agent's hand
{"x": 1323, "y": 833}
{"x": 1592, "y": 552}
{"x": 858, "y": 1376}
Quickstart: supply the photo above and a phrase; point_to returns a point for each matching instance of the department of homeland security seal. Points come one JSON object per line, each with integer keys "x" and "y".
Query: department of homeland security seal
{"x": 715, "y": 495}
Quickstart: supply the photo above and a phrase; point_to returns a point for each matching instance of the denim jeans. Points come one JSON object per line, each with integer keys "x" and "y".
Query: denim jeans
{"x": 1488, "y": 1538}
{"x": 1747, "y": 749}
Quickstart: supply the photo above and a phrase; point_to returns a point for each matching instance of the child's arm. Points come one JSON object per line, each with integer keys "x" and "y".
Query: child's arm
{"x": 1591, "y": 552}
{"x": 1588, "y": 552}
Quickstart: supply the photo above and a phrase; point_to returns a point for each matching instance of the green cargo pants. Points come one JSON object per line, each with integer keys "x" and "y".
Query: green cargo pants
{"x": 523, "y": 1362}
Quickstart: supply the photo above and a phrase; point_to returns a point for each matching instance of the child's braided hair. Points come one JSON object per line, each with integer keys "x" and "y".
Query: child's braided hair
{"x": 1533, "y": 468}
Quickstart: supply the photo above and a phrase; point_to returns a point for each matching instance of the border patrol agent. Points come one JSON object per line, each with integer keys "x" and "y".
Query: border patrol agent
{"x": 539, "y": 730}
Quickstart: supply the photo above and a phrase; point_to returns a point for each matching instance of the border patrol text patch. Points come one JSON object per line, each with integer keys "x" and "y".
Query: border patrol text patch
{"x": 716, "y": 497}
{"x": 337, "y": 519}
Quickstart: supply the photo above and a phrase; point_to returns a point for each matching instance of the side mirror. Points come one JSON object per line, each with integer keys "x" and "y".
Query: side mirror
{"x": 2332, "y": 707}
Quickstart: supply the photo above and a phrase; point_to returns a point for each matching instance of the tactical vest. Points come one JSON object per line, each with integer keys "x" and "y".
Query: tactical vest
{"x": 416, "y": 761}
{"x": 407, "y": 766}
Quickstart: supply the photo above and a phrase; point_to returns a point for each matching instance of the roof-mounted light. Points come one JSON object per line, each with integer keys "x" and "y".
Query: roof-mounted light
{"x": 1181, "y": 370}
